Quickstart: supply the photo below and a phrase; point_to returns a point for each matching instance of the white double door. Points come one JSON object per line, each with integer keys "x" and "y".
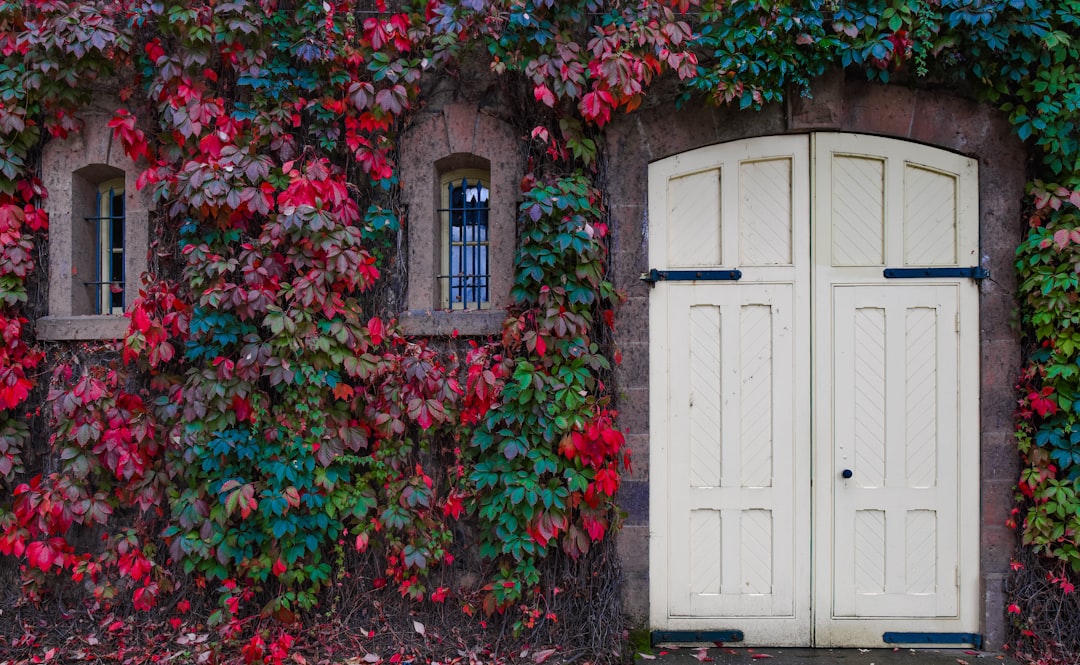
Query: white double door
{"x": 814, "y": 425}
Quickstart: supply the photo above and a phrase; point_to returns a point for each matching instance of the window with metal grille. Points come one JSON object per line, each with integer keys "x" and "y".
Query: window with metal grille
{"x": 99, "y": 228}
{"x": 107, "y": 285}
{"x": 465, "y": 275}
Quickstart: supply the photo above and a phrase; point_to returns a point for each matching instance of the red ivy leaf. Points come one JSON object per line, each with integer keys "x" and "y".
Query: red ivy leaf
{"x": 375, "y": 329}
{"x": 595, "y": 526}
{"x": 241, "y": 408}
{"x": 453, "y": 507}
{"x": 14, "y": 387}
{"x": 140, "y": 320}
{"x": 544, "y": 95}
{"x": 596, "y": 106}
{"x": 1041, "y": 402}
{"x": 41, "y": 555}
{"x": 131, "y": 137}
{"x": 146, "y": 597}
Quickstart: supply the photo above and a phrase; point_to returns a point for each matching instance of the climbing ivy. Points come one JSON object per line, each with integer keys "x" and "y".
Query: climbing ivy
{"x": 264, "y": 415}
{"x": 545, "y": 460}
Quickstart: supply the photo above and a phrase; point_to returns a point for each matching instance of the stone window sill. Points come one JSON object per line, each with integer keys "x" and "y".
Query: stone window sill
{"x": 444, "y": 323}
{"x": 82, "y": 328}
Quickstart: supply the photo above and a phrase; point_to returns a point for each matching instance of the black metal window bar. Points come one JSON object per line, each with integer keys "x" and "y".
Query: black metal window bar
{"x": 466, "y": 264}
{"x": 108, "y": 282}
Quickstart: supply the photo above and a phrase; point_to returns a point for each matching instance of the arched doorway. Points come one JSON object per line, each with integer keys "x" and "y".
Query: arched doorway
{"x": 814, "y": 354}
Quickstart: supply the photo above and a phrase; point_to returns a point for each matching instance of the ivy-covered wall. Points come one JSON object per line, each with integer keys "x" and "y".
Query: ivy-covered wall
{"x": 265, "y": 447}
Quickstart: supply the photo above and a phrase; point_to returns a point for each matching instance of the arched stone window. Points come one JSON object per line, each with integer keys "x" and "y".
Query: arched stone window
{"x": 460, "y": 172}
{"x": 97, "y": 234}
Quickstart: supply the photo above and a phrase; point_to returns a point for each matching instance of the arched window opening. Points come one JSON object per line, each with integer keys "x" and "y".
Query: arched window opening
{"x": 98, "y": 235}
{"x": 465, "y": 274}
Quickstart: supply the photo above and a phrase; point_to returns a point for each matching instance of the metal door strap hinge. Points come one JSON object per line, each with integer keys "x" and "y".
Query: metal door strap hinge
{"x": 665, "y": 636}
{"x": 973, "y": 639}
{"x": 654, "y": 275}
{"x": 975, "y": 272}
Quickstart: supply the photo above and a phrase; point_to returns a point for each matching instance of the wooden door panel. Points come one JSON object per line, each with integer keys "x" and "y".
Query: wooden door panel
{"x": 895, "y": 406}
{"x": 731, "y": 357}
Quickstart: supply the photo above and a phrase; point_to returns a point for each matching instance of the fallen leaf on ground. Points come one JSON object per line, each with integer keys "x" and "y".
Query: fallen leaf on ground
{"x": 703, "y": 655}
{"x": 759, "y": 656}
{"x": 418, "y": 627}
{"x": 541, "y": 656}
{"x": 646, "y": 656}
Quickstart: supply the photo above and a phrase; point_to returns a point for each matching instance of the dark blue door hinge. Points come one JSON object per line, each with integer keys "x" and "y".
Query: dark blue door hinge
{"x": 917, "y": 273}
{"x": 715, "y": 636}
{"x": 974, "y": 639}
{"x": 654, "y": 275}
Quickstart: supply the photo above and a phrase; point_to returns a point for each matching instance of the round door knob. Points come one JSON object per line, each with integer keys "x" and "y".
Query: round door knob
{"x": 847, "y": 473}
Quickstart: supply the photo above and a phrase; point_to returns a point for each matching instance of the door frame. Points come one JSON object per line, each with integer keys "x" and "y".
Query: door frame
{"x": 818, "y": 466}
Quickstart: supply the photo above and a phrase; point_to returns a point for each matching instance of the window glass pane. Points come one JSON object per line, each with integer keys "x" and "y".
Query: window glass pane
{"x": 108, "y": 283}
{"x": 467, "y": 253}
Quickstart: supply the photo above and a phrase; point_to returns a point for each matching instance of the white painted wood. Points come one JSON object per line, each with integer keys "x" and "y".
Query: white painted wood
{"x": 892, "y": 378}
{"x": 743, "y": 525}
{"x": 858, "y": 205}
{"x": 876, "y": 510}
{"x": 765, "y": 212}
{"x": 694, "y": 200}
{"x": 732, "y": 422}
{"x": 931, "y": 217}
{"x": 735, "y": 348}
{"x": 896, "y": 396}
